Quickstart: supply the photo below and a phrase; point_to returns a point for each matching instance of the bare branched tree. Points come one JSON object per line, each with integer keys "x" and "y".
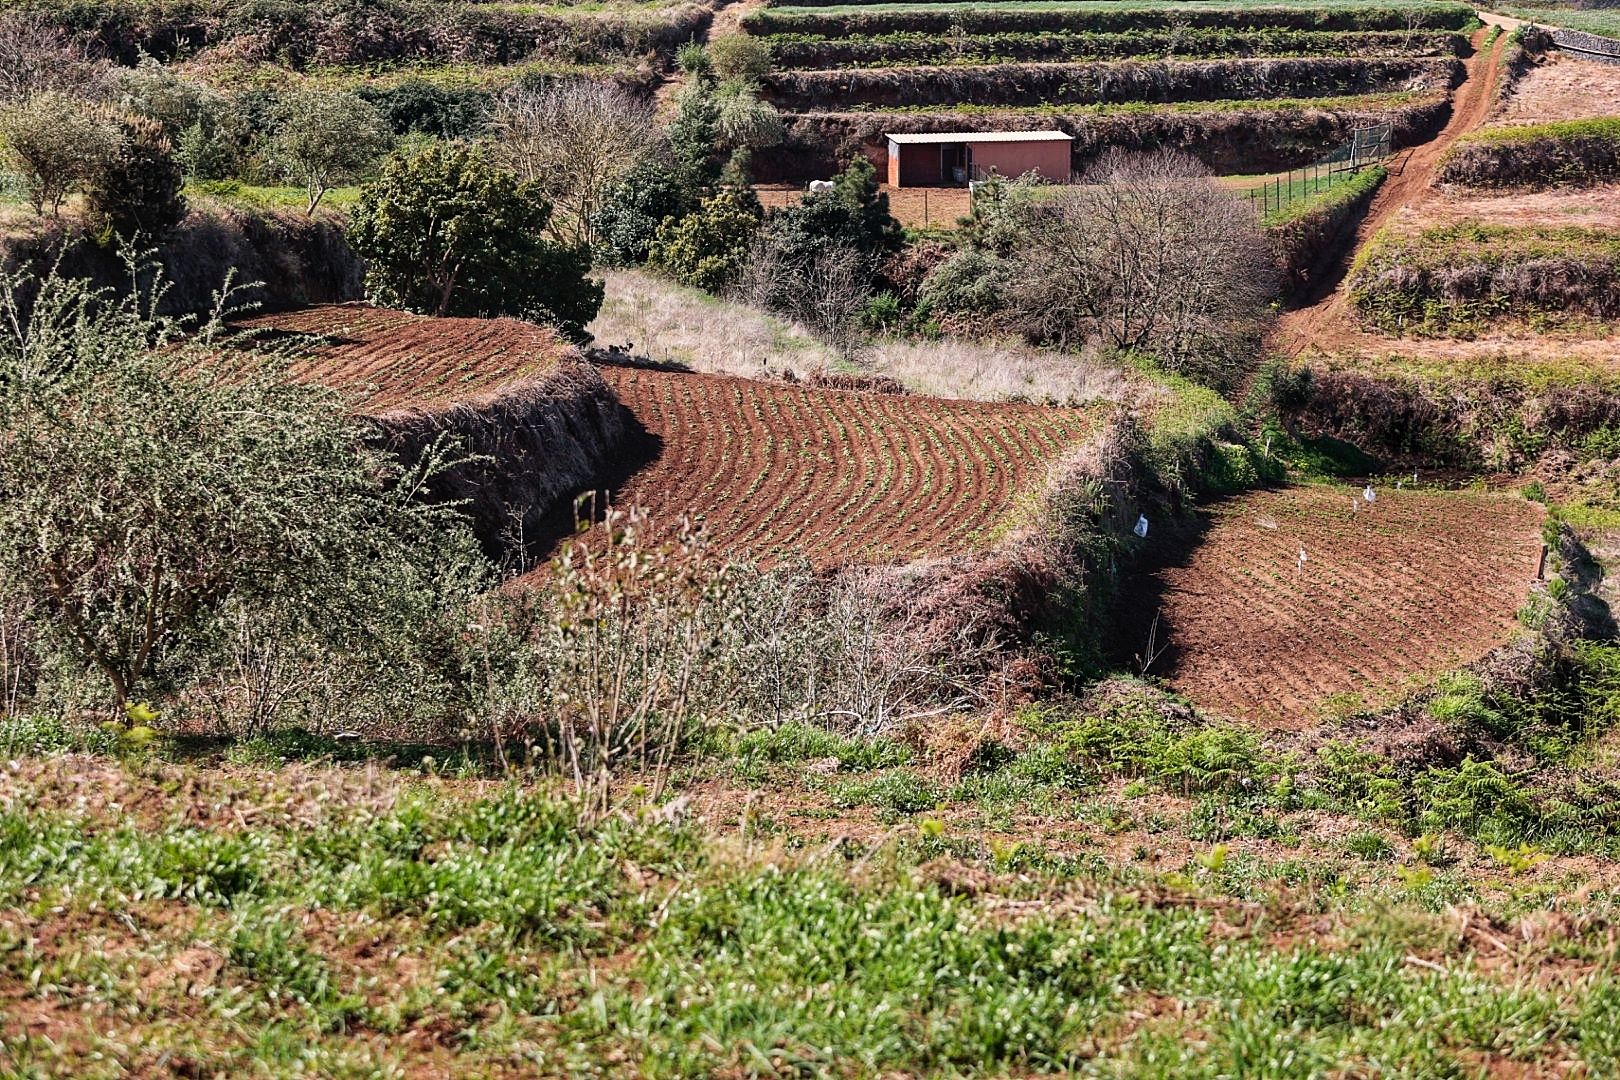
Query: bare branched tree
{"x": 824, "y": 292}
{"x": 1148, "y": 253}
{"x": 576, "y": 140}
{"x": 37, "y": 56}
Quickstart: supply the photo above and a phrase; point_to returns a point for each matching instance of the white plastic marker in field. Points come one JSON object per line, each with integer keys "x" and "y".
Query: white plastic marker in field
{"x": 1370, "y": 495}
{"x": 1299, "y": 569}
{"x": 1141, "y": 525}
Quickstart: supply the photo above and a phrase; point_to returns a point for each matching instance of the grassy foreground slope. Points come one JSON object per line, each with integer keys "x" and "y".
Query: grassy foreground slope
{"x": 357, "y": 922}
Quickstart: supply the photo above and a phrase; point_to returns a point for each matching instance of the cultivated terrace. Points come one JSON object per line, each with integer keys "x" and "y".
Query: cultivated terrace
{"x": 734, "y": 538}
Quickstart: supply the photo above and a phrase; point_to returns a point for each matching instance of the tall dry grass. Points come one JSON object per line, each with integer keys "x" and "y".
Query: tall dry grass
{"x": 658, "y": 319}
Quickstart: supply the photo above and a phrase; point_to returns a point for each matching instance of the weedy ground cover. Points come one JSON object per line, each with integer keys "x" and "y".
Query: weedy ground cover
{"x": 364, "y": 920}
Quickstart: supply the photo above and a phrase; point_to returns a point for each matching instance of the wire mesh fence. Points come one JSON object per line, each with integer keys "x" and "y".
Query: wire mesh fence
{"x": 1366, "y": 146}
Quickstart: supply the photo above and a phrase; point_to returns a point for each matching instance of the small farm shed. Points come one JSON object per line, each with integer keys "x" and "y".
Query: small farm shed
{"x": 955, "y": 157}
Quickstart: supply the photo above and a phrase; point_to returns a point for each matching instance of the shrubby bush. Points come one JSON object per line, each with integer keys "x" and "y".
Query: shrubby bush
{"x": 56, "y": 142}
{"x": 709, "y": 248}
{"x": 648, "y": 195}
{"x": 445, "y": 231}
{"x": 419, "y": 107}
{"x": 740, "y": 56}
{"x": 166, "y": 528}
{"x": 134, "y": 193}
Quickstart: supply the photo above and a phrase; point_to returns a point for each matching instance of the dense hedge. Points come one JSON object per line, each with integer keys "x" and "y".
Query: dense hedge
{"x": 305, "y": 33}
{"x": 1099, "y": 83}
{"x": 918, "y": 47}
{"x": 1453, "y": 279}
{"x": 998, "y": 18}
{"x": 1230, "y": 137}
{"x": 1536, "y": 155}
{"x": 1498, "y": 415}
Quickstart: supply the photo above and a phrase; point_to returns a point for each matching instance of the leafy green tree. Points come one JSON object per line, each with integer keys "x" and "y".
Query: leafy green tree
{"x": 694, "y": 135}
{"x": 326, "y": 139}
{"x": 854, "y": 214}
{"x": 56, "y": 143}
{"x": 445, "y": 231}
{"x": 707, "y": 249}
{"x": 134, "y": 193}
{"x": 628, "y": 221}
{"x": 142, "y": 495}
{"x": 740, "y": 56}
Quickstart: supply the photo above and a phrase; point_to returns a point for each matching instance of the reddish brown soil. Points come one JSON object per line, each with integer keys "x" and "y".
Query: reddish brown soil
{"x": 915, "y": 207}
{"x": 777, "y": 470}
{"x": 394, "y": 360}
{"x": 1389, "y": 597}
{"x": 1564, "y": 88}
{"x": 1323, "y": 323}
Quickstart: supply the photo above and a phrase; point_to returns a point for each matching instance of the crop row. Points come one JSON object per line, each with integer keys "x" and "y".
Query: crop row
{"x": 920, "y": 47}
{"x": 1160, "y": 81}
{"x": 1103, "y": 18}
{"x": 837, "y": 476}
{"x": 1536, "y": 155}
{"x": 398, "y": 360}
{"x": 1262, "y": 634}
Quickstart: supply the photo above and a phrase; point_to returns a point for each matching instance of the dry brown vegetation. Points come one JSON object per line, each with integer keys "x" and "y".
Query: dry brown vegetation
{"x": 1163, "y": 81}
{"x": 647, "y": 316}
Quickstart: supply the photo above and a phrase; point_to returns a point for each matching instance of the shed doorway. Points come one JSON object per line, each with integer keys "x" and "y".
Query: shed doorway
{"x": 955, "y": 163}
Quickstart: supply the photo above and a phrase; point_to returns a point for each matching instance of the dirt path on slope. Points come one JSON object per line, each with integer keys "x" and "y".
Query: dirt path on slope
{"x": 727, "y": 19}
{"x": 1322, "y": 322}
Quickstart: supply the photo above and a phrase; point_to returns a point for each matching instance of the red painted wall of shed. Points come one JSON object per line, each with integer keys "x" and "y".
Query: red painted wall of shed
{"x": 1049, "y": 159}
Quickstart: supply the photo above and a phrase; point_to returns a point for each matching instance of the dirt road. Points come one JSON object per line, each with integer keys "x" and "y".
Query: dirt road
{"x": 1321, "y": 322}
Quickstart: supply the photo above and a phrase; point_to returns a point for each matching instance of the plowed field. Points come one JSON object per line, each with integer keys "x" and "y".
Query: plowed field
{"x": 396, "y": 360}
{"x": 1389, "y": 596}
{"x": 776, "y": 470}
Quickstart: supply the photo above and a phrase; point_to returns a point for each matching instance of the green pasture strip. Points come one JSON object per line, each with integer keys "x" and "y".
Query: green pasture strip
{"x": 265, "y": 197}
{"x": 535, "y": 936}
{"x": 1191, "y": 7}
{"x": 1124, "y": 14}
{"x": 1604, "y": 22}
{"x": 1360, "y": 103}
{"x": 1305, "y": 195}
{"x": 1606, "y": 128}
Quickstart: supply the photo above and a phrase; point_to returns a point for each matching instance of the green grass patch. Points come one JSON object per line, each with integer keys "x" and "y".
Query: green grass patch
{"x": 1305, "y": 195}
{"x": 1604, "y": 22}
{"x": 1341, "y": 103}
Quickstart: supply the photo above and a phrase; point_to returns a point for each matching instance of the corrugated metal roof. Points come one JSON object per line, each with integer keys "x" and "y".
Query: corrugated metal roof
{"x": 978, "y": 136}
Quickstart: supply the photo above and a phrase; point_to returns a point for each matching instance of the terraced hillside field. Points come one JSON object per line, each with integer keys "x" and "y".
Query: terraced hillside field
{"x": 777, "y": 470}
{"x": 390, "y": 360}
{"x": 1248, "y": 86}
{"x": 1388, "y": 597}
